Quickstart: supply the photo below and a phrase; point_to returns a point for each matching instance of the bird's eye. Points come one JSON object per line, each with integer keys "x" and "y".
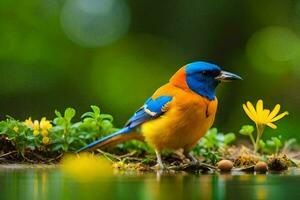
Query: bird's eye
{"x": 205, "y": 72}
{"x": 212, "y": 73}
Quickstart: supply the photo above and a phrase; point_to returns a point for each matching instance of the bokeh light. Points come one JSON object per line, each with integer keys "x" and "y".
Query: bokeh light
{"x": 274, "y": 50}
{"x": 95, "y": 23}
{"x": 134, "y": 72}
{"x": 86, "y": 167}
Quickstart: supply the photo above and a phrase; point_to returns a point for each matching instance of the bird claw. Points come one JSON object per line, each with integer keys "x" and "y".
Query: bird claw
{"x": 192, "y": 158}
{"x": 160, "y": 167}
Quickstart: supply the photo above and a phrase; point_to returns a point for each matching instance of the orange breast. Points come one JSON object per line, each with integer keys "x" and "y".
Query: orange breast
{"x": 187, "y": 120}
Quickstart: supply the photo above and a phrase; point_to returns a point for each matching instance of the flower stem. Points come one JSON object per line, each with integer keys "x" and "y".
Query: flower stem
{"x": 260, "y": 130}
{"x": 252, "y": 140}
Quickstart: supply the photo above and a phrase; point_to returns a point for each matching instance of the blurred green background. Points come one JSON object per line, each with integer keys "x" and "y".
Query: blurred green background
{"x": 115, "y": 53}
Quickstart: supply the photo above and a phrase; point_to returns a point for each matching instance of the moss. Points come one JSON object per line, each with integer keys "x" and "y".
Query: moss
{"x": 278, "y": 162}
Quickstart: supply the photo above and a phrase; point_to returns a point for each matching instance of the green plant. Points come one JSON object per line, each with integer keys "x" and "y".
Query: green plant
{"x": 269, "y": 146}
{"x": 63, "y": 134}
{"x": 248, "y": 130}
{"x": 20, "y": 135}
{"x": 60, "y": 136}
{"x": 70, "y": 137}
{"x": 212, "y": 143}
{"x": 214, "y": 140}
{"x": 94, "y": 121}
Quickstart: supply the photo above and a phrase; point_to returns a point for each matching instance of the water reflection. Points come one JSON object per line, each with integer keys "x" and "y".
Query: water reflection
{"x": 54, "y": 184}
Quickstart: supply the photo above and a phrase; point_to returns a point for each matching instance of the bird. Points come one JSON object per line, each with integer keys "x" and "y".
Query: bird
{"x": 177, "y": 115}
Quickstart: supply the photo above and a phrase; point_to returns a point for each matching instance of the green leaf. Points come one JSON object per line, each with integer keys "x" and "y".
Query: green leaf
{"x": 30, "y": 137}
{"x": 89, "y": 121}
{"x": 246, "y": 130}
{"x": 106, "y": 117}
{"x": 70, "y": 140}
{"x": 270, "y": 143}
{"x": 56, "y": 129}
{"x": 57, "y": 113}
{"x": 262, "y": 144}
{"x": 211, "y": 133}
{"x": 57, "y": 147}
{"x": 276, "y": 141}
{"x": 69, "y": 114}
{"x": 96, "y": 109}
{"x": 88, "y": 114}
{"x": 105, "y": 124}
{"x": 76, "y": 125}
{"x": 228, "y": 138}
{"x": 58, "y": 121}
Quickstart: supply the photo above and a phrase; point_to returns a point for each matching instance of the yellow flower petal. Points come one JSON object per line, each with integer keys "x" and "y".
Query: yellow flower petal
{"x": 259, "y": 110}
{"x": 36, "y": 132}
{"x": 271, "y": 125}
{"x": 278, "y": 117}
{"x": 29, "y": 122}
{"x": 45, "y": 124}
{"x": 44, "y": 133}
{"x": 45, "y": 140}
{"x": 264, "y": 115}
{"x": 36, "y": 125}
{"x": 16, "y": 129}
{"x": 251, "y": 109}
{"x": 274, "y": 112}
{"x": 250, "y": 115}
{"x": 259, "y": 106}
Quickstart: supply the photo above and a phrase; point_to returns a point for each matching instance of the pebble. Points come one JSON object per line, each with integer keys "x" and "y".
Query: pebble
{"x": 261, "y": 167}
{"x": 225, "y": 165}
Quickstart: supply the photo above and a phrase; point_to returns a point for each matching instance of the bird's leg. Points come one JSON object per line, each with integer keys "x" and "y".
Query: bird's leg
{"x": 191, "y": 157}
{"x": 159, "y": 160}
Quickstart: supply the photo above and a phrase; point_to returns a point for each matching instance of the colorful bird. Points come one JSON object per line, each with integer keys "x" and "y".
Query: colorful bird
{"x": 177, "y": 115}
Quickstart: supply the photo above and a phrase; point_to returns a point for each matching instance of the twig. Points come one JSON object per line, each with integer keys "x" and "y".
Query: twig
{"x": 27, "y": 159}
{"x": 127, "y": 155}
{"x": 59, "y": 156}
{"x": 7, "y": 154}
{"x": 106, "y": 155}
{"x": 185, "y": 166}
{"x": 133, "y": 159}
{"x": 39, "y": 156}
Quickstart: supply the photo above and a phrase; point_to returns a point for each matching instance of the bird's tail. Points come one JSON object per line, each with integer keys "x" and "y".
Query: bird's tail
{"x": 113, "y": 139}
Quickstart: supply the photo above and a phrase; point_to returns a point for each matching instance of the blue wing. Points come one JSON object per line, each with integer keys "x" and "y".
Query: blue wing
{"x": 152, "y": 109}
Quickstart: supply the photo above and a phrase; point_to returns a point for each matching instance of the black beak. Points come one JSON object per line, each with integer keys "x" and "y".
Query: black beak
{"x": 227, "y": 77}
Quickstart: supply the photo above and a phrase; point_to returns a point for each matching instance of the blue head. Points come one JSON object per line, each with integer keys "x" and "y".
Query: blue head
{"x": 203, "y": 78}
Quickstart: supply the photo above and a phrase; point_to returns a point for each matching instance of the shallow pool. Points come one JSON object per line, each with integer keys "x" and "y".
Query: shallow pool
{"x": 51, "y": 183}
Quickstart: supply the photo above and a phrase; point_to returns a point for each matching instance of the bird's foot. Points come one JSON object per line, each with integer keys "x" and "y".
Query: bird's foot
{"x": 160, "y": 167}
{"x": 192, "y": 158}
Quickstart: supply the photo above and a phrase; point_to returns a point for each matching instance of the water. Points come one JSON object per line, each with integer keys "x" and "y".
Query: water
{"x": 51, "y": 183}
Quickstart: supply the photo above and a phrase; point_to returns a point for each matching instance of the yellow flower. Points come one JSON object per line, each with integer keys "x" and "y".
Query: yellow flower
{"x": 36, "y": 125}
{"x": 44, "y": 133}
{"x": 263, "y": 116}
{"x": 29, "y": 122}
{"x": 45, "y": 124}
{"x": 16, "y": 129}
{"x": 36, "y": 132}
{"x": 46, "y": 140}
